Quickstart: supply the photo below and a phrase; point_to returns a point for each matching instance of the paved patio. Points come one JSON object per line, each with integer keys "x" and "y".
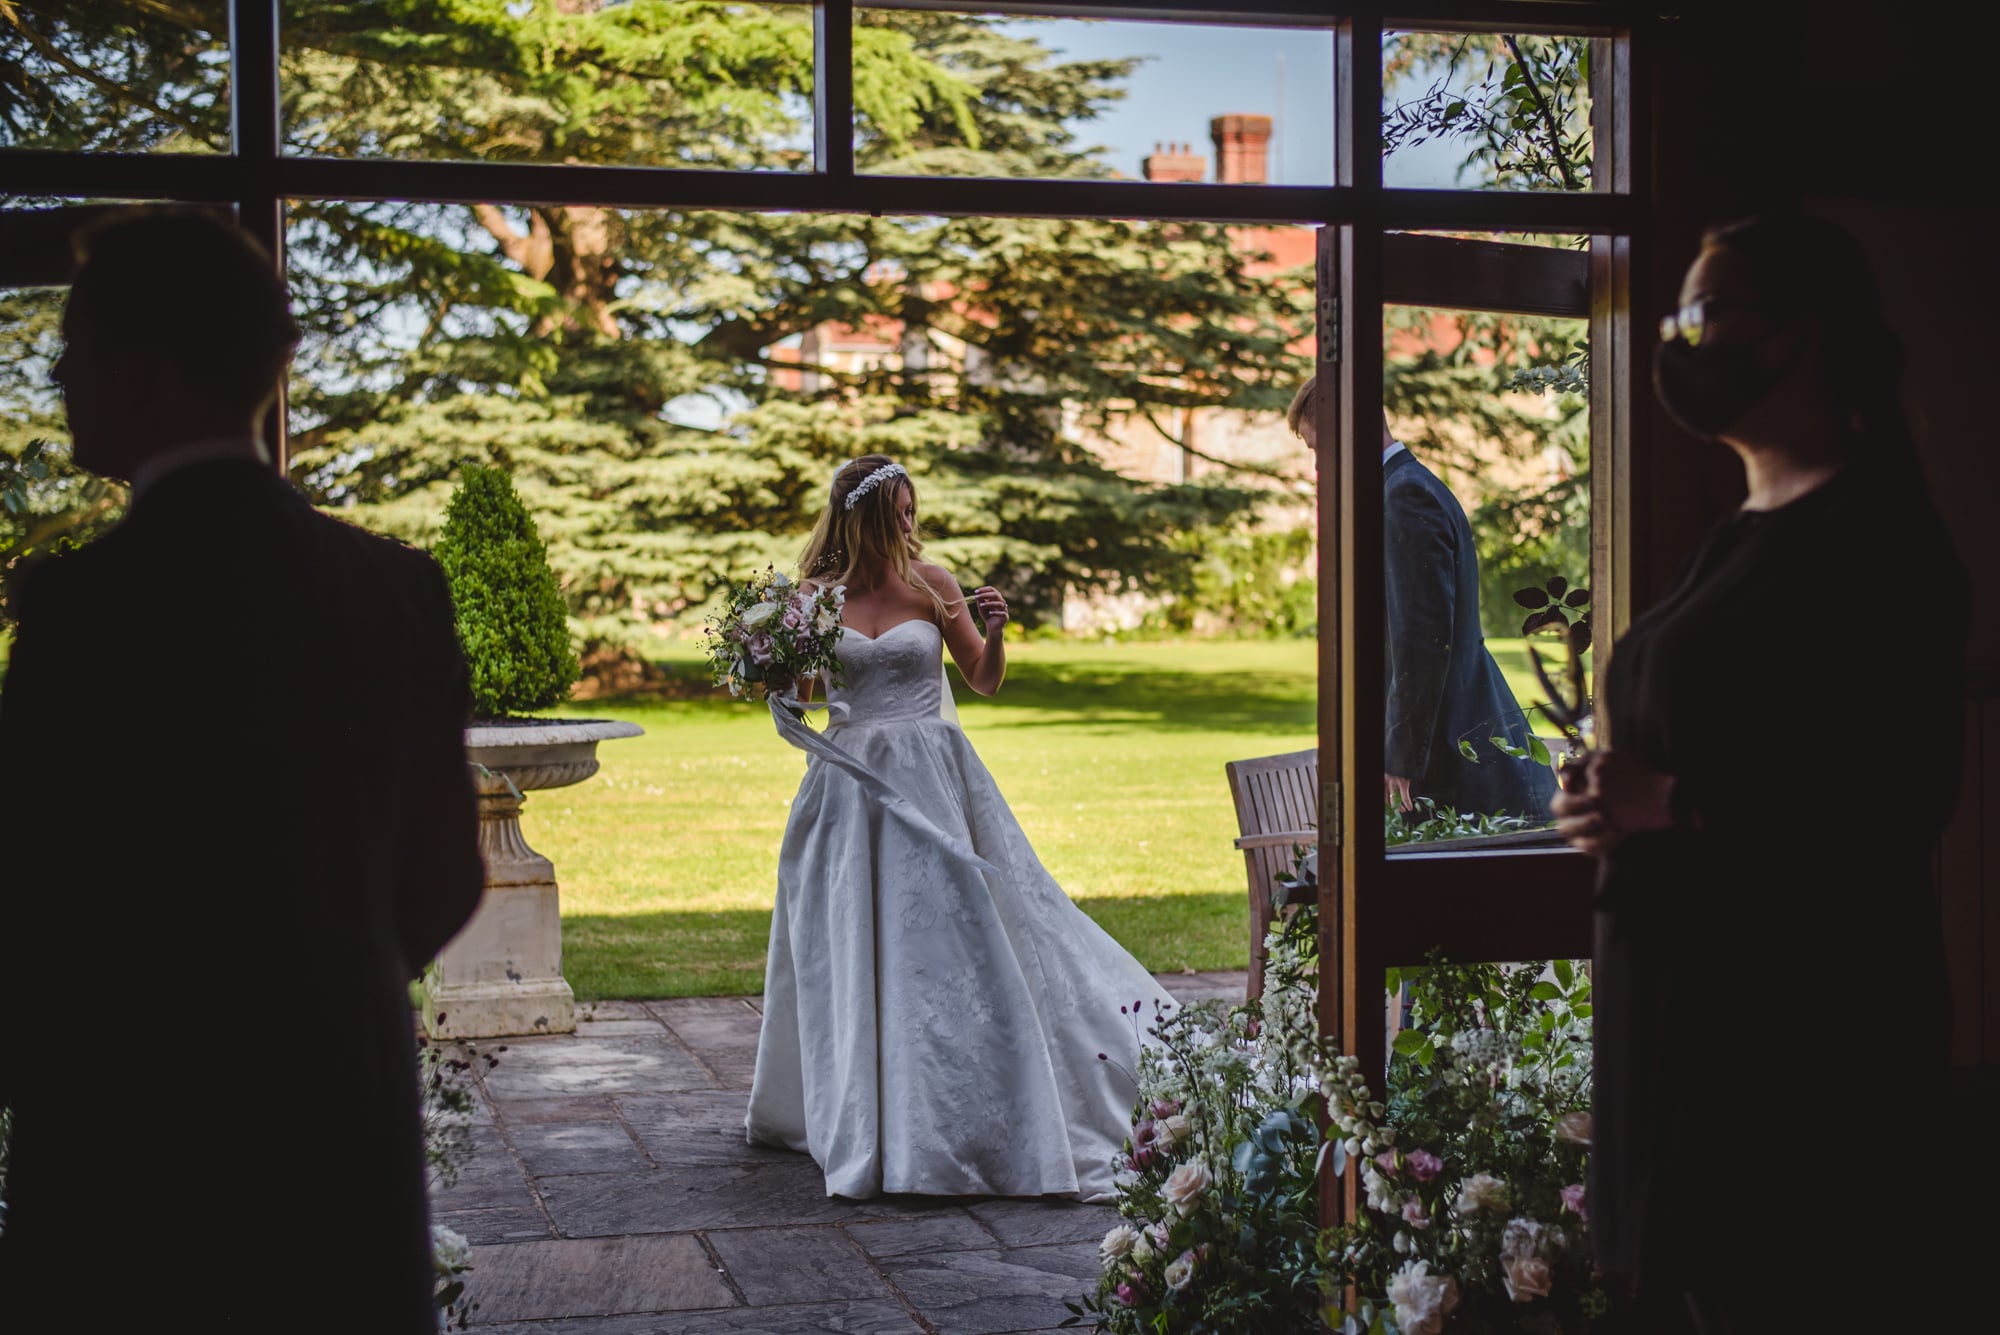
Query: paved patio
{"x": 611, "y": 1193}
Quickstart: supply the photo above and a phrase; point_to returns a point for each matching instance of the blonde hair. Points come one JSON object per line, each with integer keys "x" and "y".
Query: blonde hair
{"x": 1302, "y": 405}
{"x": 865, "y": 535}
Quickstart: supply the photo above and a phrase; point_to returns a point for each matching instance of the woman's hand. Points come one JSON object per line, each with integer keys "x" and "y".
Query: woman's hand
{"x": 991, "y": 607}
{"x": 1608, "y": 796}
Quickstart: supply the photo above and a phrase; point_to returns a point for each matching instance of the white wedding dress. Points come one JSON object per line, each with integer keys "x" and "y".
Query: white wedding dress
{"x": 934, "y": 1004}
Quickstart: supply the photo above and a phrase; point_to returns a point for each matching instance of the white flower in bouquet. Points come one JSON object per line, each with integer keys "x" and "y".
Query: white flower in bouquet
{"x": 1482, "y": 1191}
{"x": 1117, "y": 1245}
{"x": 1573, "y": 1128}
{"x": 1175, "y": 1128}
{"x": 1179, "y": 1271}
{"x": 1525, "y": 1270}
{"x": 1185, "y": 1186}
{"x": 759, "y": 614}
{"x": 1422, "y": 1300}
{"x": 450, "y": 1252}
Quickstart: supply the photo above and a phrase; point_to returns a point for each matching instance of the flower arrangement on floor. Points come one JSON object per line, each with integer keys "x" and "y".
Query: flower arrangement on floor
{"x": 445, "y": 1082}
{"x": 774, "y": 626}
{"x": 1472, "y": 1168}
{"x": 1217, "y": 1183}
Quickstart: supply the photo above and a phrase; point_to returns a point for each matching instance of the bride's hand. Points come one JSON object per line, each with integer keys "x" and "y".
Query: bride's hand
{"x": 991, "y": 606}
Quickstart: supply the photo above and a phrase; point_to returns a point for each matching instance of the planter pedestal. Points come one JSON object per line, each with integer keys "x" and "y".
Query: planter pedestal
{"x": 501, "y": 976}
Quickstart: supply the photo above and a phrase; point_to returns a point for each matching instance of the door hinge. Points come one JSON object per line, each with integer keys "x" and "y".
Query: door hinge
{"x": 1329, "y": 331}
{"x": 1331, "y": 818}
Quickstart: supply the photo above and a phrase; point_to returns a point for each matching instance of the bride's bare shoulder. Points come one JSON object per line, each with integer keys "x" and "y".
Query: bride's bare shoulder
{"x": 937, "y": 577}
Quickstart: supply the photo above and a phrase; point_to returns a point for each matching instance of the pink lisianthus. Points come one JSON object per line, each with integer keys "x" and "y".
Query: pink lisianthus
{"x": 1423, "y": 1165}
{"x": 1414, "y": 1213}
{"x": 1143, "y": 1157}
{"x": 1130, "y": 1294}
{"x": 1145, "y": 1133}
{"x": 1164, "y": 1108}
{"x": 1386, "y": 1161}
{"x": 1573, "y": 1200}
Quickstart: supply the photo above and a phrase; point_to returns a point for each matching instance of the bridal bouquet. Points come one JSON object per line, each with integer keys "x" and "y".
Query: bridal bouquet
{"x": 774, "y": 626}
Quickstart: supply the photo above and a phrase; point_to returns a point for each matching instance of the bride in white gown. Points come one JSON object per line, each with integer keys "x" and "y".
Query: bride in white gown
{"x": 935, "y": 1007}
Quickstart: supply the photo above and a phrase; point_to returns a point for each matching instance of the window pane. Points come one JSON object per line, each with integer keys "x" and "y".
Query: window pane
{"x": 681, "y": 384}
{"x": 113, "y": 78}
{"x": 1486, "y": 111}
{"x": 46, "y": 503}
{"x": 643, "y": 84}
{"x": 1019, "y": 98}
{"x": 1487, "y": 544}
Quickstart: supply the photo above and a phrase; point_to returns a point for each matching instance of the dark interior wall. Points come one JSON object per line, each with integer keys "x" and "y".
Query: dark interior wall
{"x": 1866, "y": 116}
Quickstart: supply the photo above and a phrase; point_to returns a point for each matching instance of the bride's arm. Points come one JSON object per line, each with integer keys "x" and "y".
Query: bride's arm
{"x": 982, "y": 662}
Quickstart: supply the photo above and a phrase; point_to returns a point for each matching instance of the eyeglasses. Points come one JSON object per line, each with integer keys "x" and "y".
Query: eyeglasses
{"x": 1690, "y": 322}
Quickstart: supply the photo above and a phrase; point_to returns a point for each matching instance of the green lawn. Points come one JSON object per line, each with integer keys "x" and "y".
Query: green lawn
{"x": 1111, "y": 756}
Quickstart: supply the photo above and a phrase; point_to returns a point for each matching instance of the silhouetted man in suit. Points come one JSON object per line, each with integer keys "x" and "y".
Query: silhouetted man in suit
{"x": 237, "y": 823}
{"x": 1443, "y": 685}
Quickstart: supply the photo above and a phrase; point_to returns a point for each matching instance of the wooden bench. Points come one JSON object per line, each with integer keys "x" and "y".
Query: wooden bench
{"x": 1277, "y": 809}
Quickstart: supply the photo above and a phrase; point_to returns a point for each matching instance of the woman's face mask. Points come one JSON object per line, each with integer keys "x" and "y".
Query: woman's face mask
{"x": 1707, "y": 388}
{"x": 1713, "y": 364}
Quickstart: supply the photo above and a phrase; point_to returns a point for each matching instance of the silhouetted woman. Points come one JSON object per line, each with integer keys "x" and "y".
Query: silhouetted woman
{"x": 1783, "y": 751}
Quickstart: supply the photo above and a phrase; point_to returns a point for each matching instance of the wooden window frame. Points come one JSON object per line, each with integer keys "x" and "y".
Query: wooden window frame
{"x": 1377, "y": 911}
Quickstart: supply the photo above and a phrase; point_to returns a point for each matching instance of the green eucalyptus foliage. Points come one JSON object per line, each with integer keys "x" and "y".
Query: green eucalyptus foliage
{"x": 512, "y": 620}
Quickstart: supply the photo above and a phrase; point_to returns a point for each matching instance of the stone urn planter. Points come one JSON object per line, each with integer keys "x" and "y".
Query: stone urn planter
{"x": 502, "y": 974}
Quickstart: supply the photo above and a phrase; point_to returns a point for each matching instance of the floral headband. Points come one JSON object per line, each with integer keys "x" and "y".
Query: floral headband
{"x": 869, "y": 483}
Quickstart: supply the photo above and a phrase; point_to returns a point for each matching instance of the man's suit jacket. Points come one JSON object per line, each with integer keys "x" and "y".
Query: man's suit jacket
{"x": 1443, "y": 685}
{"x": 238, "y": 823}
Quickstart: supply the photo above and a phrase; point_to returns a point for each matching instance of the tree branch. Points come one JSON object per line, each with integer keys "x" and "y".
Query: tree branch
{"x": 1548, "y": 115}
{"x": 98, "y": 81}
{"x": 1232, "y": 465}
{"x": 533, "y": 252}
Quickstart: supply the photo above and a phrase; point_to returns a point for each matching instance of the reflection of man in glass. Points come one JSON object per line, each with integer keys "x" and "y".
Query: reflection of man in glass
{"x": 1444, "y": 688}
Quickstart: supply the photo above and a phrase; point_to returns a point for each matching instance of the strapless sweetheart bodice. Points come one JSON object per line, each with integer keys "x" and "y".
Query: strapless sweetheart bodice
{"x": 893, "y": 676}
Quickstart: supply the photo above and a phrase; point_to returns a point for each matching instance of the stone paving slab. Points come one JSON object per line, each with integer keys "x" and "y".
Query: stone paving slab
{"x": 796, "y": 1265}
{"x": 696, "y": 1127}
{"x": 818, "y": 1319}
{"x": 611, "y": 1192}
{"x": 547, "y": 1149}
{"x": 986, "y": 1292}
{"x": 542, "y": 1068}
{"x": 516, "y": 1223}
{"x": 889, "y": 1238}
{"x": 595, "y": 1277}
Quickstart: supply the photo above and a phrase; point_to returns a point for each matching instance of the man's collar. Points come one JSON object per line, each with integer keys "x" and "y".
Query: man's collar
{"x": 1390, "y": 453}
{"x": 246, "y": 447}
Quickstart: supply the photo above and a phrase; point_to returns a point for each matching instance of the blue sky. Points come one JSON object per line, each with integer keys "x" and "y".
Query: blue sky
{"x": 1198, "y": 72}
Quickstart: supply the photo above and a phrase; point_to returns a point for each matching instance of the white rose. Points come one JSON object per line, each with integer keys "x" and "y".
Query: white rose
{"x": 1526, "y": 1272}
{"x": 1142, "y": 1250}
{"x": 1180, "y": 1270}
{"x": 1175, "y": 1128}
{"x": 759, "y": 614}
{"x": 1422, "y": 1300}
{"x": 450, "y": 1252}
{"x": 1117, "y": 1245}
{"x": 1482, "y": 1191}
{"x": 1185, "y": 1186}
{"x": 1574, "y": 1127}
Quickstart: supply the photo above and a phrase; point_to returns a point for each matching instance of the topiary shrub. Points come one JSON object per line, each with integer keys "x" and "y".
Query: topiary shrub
{"x": 512, "y": 620}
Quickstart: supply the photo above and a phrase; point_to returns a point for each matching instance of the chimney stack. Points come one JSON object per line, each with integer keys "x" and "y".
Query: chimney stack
{"x": 1173, "y": 162}
{"x": 1242, "y": 149}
